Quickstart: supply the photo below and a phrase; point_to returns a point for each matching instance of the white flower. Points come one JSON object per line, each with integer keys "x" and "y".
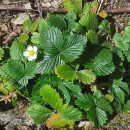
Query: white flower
{"x": 31, "y": 53}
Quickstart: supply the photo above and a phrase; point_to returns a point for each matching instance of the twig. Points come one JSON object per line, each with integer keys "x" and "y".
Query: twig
{"x": 119, "y": 10}
{"x": 22, "y": 9}
{"x": 38, "y": 6}
{"x": 15, "y": 7}
{"x": 100, "y": 6}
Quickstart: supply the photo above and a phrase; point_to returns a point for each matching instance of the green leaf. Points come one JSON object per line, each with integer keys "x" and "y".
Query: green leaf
{"x": 105, "y": 26}
{"x": 65, "y": 72}
{"x": 75, "y": 90}
{"x": 89, "y": 20}
{"x": 73, "y": 5}
{"x": 21, "y": 73}
{"x": 27, "y": 25}
{"x": 71, "y": 20}
{"x": 121, "y": 43}
{"x": 70, "y": 113}
{"x": 35, "y": 38}
{"x": 95, "y": 108}
{"x": 92, "y": 37}
{"x": 35, "y": 25}
{"x": 57, "y": 121}
{"x": 51, "y": 97}
{"x": 57, "y": 21}
{"x": 85, "y": 102}
{"x": 127, "y": 107}
{"x": 16, "y": 51}
{"x": 86, "y": 76}
{"x": 23, "y": 37}
{"x": 104, "y": 104}
{"x": 102, "y": 64}
{"x": 118, "y": 87}
{"x": 127, "y": 54}
{"x": 58, "y": 49}
{"x": 39, "y": 113}
{"x": 65, "y": 93}
{"x": 98, "y": 116}
{"x": 1, "y": 53}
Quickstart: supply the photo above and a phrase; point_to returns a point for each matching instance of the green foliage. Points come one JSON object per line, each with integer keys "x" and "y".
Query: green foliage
{"x": 78, "y": 64}
{"x": 118, "y": 89}
{"x": 16, "y": 51}
{"x": 39, "y": 113}
{"x": 89, "y": 20}
{"x": 57, "y": 21}
{"x": 96, "y": 108}
{"x": 92, "y": 37}
{"x": 21, "y": 73}
{"x": 102, "y": 63}
{"x": 58, "y": 49}
{"x": 86, "y": 76}
{"x": 65, "y": 72}
{"x": 1, "y": 53}
{"x": 54, "y": 99}
{"x": 6, "y": 86}
{"x": 73, "y": 5}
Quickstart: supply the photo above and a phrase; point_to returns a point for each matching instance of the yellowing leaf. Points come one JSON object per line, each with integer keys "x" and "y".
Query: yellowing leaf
{"x": 109, "y": 97}
{"x": 103, "y": 14}
{"x": 57, "y": 121}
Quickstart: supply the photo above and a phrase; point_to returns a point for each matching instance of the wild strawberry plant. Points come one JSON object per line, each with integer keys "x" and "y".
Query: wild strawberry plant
{"x": 67, "y": 68}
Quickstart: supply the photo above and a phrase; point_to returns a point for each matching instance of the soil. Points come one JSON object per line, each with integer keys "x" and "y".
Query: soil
{"x": 16, "y": 118}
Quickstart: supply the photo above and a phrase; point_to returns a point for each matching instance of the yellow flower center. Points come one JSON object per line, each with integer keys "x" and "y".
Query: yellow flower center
{"x": 31, "y": 53}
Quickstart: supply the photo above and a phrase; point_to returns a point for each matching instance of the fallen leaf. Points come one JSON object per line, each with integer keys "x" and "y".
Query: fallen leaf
{"x": 102, "y": 14}
{"x": 20, "y": 18}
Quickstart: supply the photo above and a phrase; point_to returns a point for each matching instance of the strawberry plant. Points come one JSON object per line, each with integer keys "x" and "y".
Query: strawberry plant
{"x": 68, "y": 70}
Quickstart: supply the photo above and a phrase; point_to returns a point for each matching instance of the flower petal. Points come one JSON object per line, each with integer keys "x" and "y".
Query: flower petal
{"x": 26, "y": 54}
{"x": 29, "y": 48}
{"x": 35, "y": 49}
{"x": 34, "y": 56}
{"x": 30, "y": 58}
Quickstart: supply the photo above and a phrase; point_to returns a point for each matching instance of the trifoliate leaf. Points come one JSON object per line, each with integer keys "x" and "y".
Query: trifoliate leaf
{"x": 89, "y": 20}
{"x": 65, "y": 72}
{"x": 92, "y": 37}
{"x": 23, "y": 37}
{"x": 57, "y": 21}
{"x": 1, "y": 53}
{"x": 58, "y": 49}
{"x": 51, "y": 97}
{"x": 57, "y": 121}
{"x": 70, "y": 113}
{"x": 86, "y": 76}
{"x": 96, "y": 108}
{"x": 16, "y": 51}
{"x": 20, "y": 72}
{"x": 39, "y": 113}
{"x": 73, "y": 5}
